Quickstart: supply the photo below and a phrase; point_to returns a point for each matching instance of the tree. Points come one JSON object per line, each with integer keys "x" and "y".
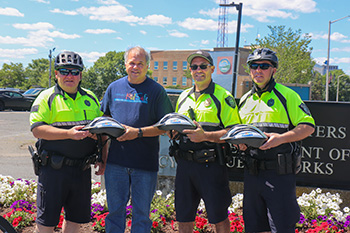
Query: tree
{"x": 12, "y": 76}
{"x": 318, "y": 87}
{"x": 344, "y": 86}
{"x": 104, "y": 71}
{"x": 37, "y": 73}
{"x": 294, "y": 54}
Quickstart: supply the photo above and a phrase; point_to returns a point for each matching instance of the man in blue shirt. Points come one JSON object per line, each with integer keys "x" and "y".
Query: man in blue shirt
{"x": 137, "y": 102}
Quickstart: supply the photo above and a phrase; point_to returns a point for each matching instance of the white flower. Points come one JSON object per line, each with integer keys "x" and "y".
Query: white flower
{"x": 159, "y": 193}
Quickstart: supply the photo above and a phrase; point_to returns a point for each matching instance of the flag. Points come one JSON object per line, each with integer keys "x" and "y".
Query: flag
{"x": 330, "y": 78}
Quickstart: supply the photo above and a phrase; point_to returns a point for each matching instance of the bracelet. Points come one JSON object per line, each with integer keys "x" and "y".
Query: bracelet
{"x": 140, "y": 134}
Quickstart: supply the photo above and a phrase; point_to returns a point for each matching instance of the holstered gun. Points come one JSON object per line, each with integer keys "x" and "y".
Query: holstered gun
{"x": 35, "y": 160}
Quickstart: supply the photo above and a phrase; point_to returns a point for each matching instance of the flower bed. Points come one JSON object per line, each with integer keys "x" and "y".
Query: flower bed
{"x": 320, "y": 212}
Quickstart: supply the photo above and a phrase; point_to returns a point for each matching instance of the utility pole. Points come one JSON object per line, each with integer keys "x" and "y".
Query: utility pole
{"x": 50, "y": 56}
{"x": 239, "y": 8}
{"x": 328, "y": 51}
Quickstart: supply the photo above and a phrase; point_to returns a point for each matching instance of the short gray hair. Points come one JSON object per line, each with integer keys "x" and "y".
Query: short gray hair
{"x": 139, "y": 50}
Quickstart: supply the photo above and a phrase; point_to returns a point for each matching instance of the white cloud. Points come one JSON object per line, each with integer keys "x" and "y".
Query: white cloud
{"x": 264, "y": 10}
{"x": 345, "y": 49}
{"x": 213, "y": 13}
{"x": 118, "y": 38}
{"x": 155, "y": 20}
{"x": 39, "y": 38}
{"x": 143, "y": 32}
{"x": 114, "y": 13}
{"x": 335, "y": 36}
{"x": 43, "y": 1}
{"x": 63, "y": 12}
{"x": 108, "y": 2}
{"x": 34, "y": 26}
{"x": 9, "y": 11}
{"x": 205, "y": 42}
{"x": 199, "y": 24}
{"x": 338, "y": 60}
{"x": 17, "y": 53}
{"x": 91, "y": 56}
{"x": 100, "y": 31}
{"x": 176, "y": 33}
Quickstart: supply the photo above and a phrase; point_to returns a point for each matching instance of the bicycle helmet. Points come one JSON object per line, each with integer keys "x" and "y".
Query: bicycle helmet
{"x": 105, "y": 126}
{"x": 245, "y": 134}
{"x": 69, "y": 59}
{"x": 263, "y": 54}
{"x": 175, "y": 121}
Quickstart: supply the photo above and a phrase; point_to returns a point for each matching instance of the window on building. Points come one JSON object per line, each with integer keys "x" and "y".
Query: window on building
{"x": 165, "y": 65}
{"x": 165, "y": 80}
{"x": 174, "y": 81}
{"x": 155, "y": 65}
{"x": 184, "y": 65}
{"x": 174, "y": 65}
{"x": 155, "y": 79}
{"x": 184, "y": 81}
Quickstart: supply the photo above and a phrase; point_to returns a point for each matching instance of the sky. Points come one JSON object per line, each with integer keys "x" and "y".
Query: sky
{"x": 31, "y": 29}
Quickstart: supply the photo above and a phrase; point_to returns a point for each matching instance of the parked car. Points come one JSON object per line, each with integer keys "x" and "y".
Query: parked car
{"x": 14, "y": 100}
{"x": 33, "y": 92}
{"x": 12, "y": 89}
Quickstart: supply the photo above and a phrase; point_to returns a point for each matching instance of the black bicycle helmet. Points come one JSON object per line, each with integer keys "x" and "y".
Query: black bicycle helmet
{"x": 175, "y": 121}
{"x": 68, "y": 59}
{"x": 245, "y": 134}
{"x": 263, "y": 54}
{"x": 105, "y": 126}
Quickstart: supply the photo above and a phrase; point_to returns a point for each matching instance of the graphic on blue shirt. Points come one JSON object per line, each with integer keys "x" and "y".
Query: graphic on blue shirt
{"x": 132, "y": 97}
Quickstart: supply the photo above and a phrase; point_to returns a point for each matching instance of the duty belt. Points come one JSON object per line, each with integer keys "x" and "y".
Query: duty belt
{"x": 200, "y": 156}
{"x": 267, "y": 165}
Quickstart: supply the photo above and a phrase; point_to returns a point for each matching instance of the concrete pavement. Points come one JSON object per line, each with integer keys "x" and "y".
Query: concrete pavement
{"x": 15, "y": 136}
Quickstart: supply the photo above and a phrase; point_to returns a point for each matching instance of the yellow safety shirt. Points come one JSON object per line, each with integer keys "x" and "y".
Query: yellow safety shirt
{"x": 276, "y": 109}
{"x": 214, "y": 109}
{"x": 56, "y": 108}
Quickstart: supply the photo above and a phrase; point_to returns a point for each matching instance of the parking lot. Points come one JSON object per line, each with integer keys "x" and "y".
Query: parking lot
{"x": 15, "y": 136}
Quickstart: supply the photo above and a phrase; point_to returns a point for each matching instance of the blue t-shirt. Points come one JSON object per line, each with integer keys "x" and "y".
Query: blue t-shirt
{"x": 136, "y": 105}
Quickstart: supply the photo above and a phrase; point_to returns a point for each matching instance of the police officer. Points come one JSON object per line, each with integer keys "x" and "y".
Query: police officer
{"x": 57, "y": 116}
{"x": 199, "y": 173}
{"x": 269, "y": 181}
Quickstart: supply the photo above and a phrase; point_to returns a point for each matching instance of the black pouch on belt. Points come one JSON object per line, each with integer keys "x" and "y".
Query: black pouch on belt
{"x": 56, "y": 161}
{"x": 285, "y": 164}
{"x": 204, "y": 156}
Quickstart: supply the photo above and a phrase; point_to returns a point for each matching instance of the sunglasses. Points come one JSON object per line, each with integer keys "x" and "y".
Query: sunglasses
{"x": 263, "y": 66}
{"x": 203, "y": 66}
{"x": 74, "y": 72}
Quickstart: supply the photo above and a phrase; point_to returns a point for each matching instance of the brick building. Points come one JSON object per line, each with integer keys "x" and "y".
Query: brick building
{"x": 169, "y": 68}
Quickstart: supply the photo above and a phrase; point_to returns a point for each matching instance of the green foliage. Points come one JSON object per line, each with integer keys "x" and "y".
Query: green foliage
{"x": 37, "y": 73}
{"x": 12, "y": 75}
{"x": 344, "y": 86}
{"x": 104, "y": 71}
{"x": 318, "y": 87}
{"x": 294, "y": 54}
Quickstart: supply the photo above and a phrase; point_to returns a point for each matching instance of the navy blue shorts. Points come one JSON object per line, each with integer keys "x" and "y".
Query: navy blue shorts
{"x": 198, "y": 180}
{"x": 68, "y": 187}
{"x": 269, "y": 202}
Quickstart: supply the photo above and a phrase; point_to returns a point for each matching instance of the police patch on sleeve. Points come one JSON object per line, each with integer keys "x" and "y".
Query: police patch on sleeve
{"x": 230, "y": 101}
{"x": 305, "y": 109}
{"x": 34, "y": 108}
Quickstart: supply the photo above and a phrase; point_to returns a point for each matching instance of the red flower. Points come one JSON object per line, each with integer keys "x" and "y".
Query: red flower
{"x": 172, "y": 224}
{"x": 129, "y": 223}
{"x": 155, "y": 224}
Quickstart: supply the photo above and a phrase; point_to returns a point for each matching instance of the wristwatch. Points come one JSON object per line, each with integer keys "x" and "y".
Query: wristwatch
{"x": 140, "y": 134}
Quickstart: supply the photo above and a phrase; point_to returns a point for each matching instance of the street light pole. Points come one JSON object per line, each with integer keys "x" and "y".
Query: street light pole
{"x": 338, "y": 85}
{"x": 328, "y": 51}
{"x": 50, "y": 56}
{"x": 238, "y": 31}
